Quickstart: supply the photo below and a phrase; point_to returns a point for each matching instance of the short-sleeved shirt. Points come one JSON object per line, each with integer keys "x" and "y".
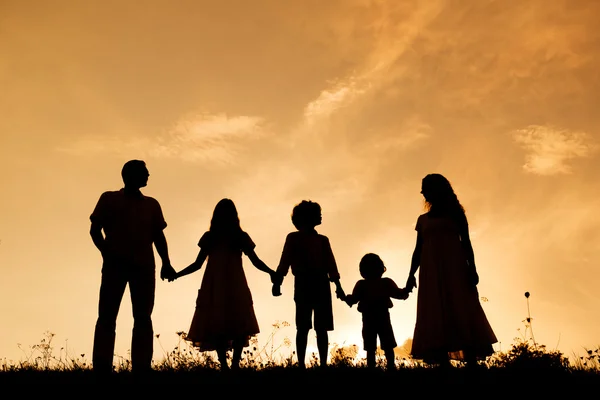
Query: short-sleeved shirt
{"x": 308, "y": 253}
{"x": 240, "y": 242}
{"x": 374, "y": 295}
{"x": 130, "y": 223}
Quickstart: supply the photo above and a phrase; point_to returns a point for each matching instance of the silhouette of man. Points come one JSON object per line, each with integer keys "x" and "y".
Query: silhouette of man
{"x": 132, "y": 223}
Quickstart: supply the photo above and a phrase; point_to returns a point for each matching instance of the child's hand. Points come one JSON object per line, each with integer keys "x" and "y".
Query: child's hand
{"x": 276, "y": 290}
{"x": 276, "y": 278}
{"x": 339, "y": 293}
{"x": 405, "y": 293}
{"x": 349, "y": 299}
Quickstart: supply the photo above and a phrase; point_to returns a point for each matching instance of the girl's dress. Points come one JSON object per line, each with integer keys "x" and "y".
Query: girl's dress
{"x": 450, "y": 318}
{"x": 224, "y": 307}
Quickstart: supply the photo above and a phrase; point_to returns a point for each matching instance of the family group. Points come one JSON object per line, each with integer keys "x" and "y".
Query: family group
{"x": 127, "y": 225}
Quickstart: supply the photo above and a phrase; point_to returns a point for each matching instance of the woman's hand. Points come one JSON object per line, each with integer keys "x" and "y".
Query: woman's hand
{"x": 276, "y": 278}
{"x": 276, "y": 290}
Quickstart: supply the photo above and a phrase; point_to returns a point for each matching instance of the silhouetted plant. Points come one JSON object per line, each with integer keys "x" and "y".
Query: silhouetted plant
{"x": 42, "y": 357}
{"x": 343, "y": 356}
{"x": 589, "y": 362}
{"x": 187, "y": 357}
{"x": 266, "y": 354}
{"x": 528, "y": 320}
{"x": 526, "y": 353}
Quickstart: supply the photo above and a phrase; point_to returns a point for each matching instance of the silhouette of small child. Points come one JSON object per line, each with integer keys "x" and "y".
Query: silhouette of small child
{"x": 309, "y": 255}
{"x": 373, "y": 295}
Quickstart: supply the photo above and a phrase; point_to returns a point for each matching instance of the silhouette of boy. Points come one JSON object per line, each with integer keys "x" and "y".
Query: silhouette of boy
{"x": 374, "y": 296}
{"x": 313, "y": 265}
{"x": 132, "y": 223}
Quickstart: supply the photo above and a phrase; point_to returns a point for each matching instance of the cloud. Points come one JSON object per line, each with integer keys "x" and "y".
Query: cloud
{"x": 205, "y": 137}
{"x": 391, "y": 37}
{"x": 341, "y": 94}
{"x": 412, "y": 131}
{"x": 549, "y": 149}
{"x": 194, "y": 138}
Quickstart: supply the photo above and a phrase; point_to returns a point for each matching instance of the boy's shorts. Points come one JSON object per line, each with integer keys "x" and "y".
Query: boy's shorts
{"x": 374, "y": 325}
{"x": 313, "y": 302}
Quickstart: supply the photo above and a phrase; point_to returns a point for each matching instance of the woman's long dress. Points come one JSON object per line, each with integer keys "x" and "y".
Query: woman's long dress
{"x": 450, "y": 318}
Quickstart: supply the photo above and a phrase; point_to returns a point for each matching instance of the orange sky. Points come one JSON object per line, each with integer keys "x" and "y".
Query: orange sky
{"x": 347, "y": 103}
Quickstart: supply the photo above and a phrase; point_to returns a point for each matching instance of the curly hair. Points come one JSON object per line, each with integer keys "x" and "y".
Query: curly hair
{"x": 371, "y": 266}
{"x": 306, "y": 214}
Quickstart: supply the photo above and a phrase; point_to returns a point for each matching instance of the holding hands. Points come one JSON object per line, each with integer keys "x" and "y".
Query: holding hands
{"x": 349, "y": 299}
{"x": 276, "y": 290}
{"x": 276, "y": 280}
{"x": 167, "y": 272}
{"x": 403, "y": 293}
{"x": 339, "y": 292}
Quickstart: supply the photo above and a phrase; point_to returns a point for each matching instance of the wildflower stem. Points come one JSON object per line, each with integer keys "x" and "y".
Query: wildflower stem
{"x": 530, "y": 324}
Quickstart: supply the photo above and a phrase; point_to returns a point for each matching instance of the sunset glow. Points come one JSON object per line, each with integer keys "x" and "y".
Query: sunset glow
{"x": 349, "y": 103}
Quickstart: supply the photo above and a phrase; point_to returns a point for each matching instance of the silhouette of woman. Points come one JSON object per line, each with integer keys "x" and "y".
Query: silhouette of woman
{"x": 450, "y": 322}
{"x": 224, "y": 317}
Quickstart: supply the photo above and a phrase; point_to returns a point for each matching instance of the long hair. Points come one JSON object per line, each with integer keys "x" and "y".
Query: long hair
{"x": 440, "y": 198}
{"x": 225, "y": 219}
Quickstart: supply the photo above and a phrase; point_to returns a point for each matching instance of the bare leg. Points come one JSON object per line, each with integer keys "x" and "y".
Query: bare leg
{"x": 323, "y": 346}
{"x": 470, "y": 360}
{"x": 445, "y": 362}
{"x": 222, "y": 354}
{"x": 301, "y": 342}
{"x": 390, "y": 358}
{"x": 371, "y": 359}
{"x": 238, "y": 347}
{"x": 440, "y": 359}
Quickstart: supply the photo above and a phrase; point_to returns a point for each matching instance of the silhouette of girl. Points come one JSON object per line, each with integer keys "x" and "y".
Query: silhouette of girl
{"x": 224, "y": 317}
{"x": 450, "y": 321}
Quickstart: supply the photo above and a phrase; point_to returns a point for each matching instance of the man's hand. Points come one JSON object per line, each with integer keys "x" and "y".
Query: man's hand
{"x": 168, "y": 272}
